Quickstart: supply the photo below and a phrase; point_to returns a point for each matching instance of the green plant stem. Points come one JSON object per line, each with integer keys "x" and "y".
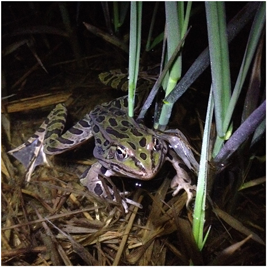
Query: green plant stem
{"x": 186, "y": 18}
{"x": 156, "y": 86}
{"x": 173, "y": 26}
{"x": 134, "y": 53}
{"x": 219, "y": 58}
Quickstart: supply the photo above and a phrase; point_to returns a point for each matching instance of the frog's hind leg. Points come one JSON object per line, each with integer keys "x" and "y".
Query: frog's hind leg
{"x": 31, "y": 153}
{"x": 91, "y": 179}
{"x": 55, "y": 143}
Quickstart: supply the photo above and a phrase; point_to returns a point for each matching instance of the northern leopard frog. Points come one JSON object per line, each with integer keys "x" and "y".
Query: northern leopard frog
{"x": 123, "y": 147}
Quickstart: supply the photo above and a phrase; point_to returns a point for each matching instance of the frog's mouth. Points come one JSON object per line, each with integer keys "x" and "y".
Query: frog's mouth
{"x": 141, "y": 173}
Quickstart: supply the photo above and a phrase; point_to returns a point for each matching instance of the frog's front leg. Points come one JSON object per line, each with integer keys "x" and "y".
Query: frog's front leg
{"x": 90, "y": 179}
{"x": 182, "y": 179}
{"x": 179, "y": 143}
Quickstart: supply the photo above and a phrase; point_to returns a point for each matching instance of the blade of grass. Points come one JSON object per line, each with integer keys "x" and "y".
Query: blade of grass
{"x": 253, "y": 41}
{"x": 251, "y": 183}
{"x": 254, "y": 88}
{"x": 236, "y": 224}
{"x": 255, "y": 33}
{"x": 156, "y": 41}
{"x": 134, "y": 53}
{"x": 202, "y": 62}
{"x": 71, "y": 32}
{"x": 106, "y": 13}
{"x": 219, "y": 61}
{"x": 120, "y": 10}
{"x": 124, "y": 7}
{"x": 173, "y": 29}
{"x": 152, "y": 23}
{"x": 173, "y": 39}
{"x": 200, "y": 204}
{"x": 116, "y": 17}
{"x": 107, "y": 37}
{"x": 186, "y": 18}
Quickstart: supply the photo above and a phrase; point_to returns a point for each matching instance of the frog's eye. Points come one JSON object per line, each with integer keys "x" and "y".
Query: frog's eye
{"x": 121, "y": 153}
{"x": 156, "y": 143}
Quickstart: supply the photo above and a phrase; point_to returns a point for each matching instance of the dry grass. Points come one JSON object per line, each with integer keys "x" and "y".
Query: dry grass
{"x": 53, "y": 220}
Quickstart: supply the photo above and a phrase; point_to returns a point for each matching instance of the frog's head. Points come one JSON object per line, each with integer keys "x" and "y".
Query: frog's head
{"x": 136, "y": 157}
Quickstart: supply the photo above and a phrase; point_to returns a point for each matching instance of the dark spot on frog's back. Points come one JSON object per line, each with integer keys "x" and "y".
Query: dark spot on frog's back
{"x": 126, "y": 123}
{"x": 75, "y": 131}
{"x": 116, "y": 111}
{"x": 125, "y": 102}
{"x": 135, "y": 132}
{"x": 143, "y": 156}
{"x": 84, "y": 123}
{"x": 132, "y": 145}
{"x": 112, "y": 122}
{"x": 123, "y": 129}
{"x": 119, "y": 112}
{"x": 100, "y": 118}
{"x": 117, "y": 134}
{"x": 142, "y": 142}
{"x": 65, "y": 140}
{"x": 117, "y": 104}
{"x": 95, "y": 129}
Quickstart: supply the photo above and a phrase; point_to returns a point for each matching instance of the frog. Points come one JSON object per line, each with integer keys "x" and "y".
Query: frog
{"x": 123, "y": 148}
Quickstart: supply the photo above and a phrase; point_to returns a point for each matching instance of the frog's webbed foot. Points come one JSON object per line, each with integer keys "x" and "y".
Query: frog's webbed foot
{"x": 31, "y": 153}
{"x": 182, "y": 178}
{"x": 91, "y": 179}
